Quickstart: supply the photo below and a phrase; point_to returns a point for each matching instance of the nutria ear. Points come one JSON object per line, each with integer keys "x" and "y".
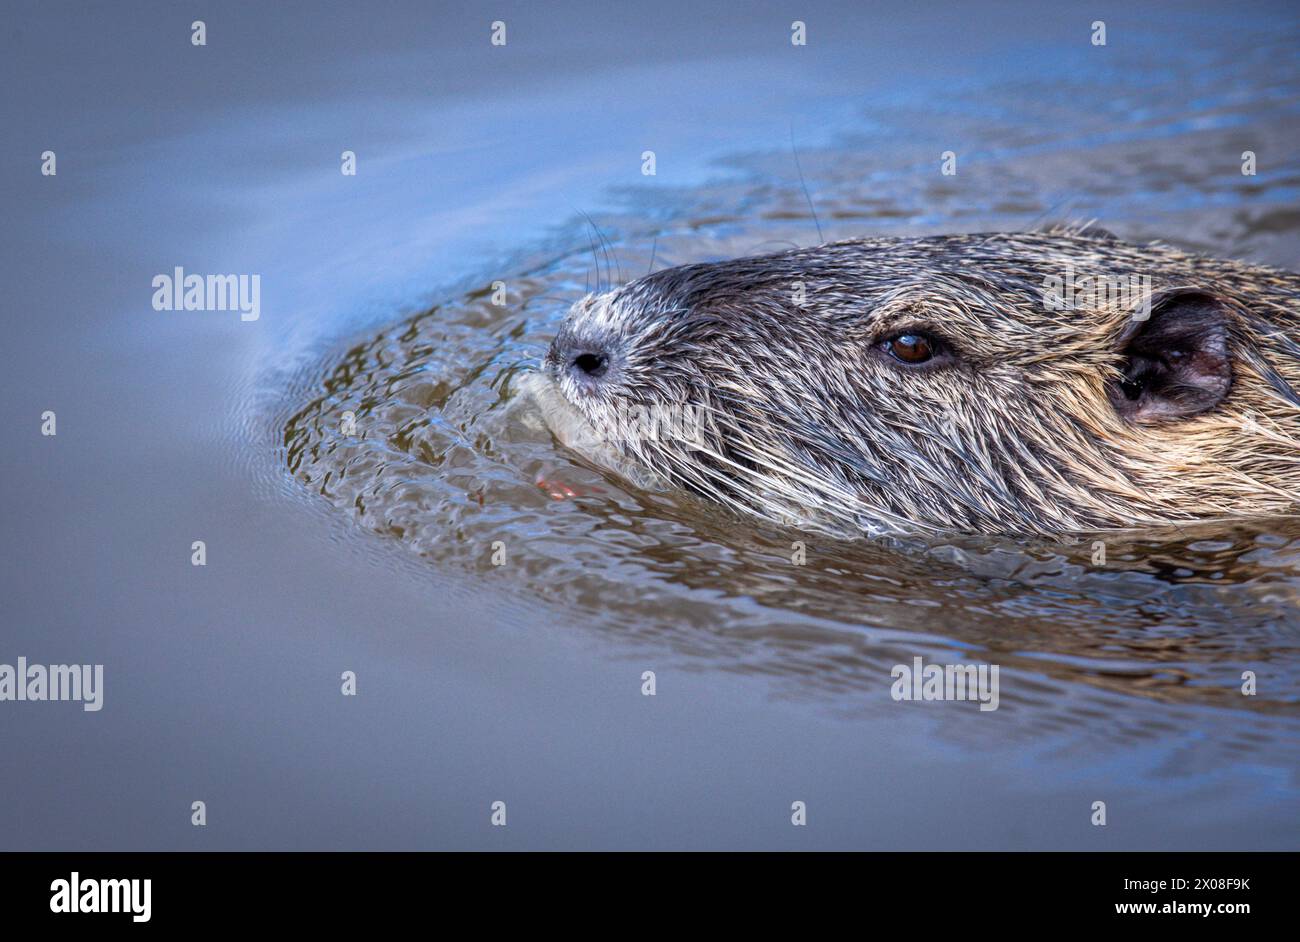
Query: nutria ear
{"x": 1176, "y": 362}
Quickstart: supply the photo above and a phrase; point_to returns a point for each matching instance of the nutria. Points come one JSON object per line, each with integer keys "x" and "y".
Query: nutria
{"x": 977, "y": 383}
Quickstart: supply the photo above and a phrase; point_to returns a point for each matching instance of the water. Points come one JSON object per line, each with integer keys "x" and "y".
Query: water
{"x": 370, "y": 549}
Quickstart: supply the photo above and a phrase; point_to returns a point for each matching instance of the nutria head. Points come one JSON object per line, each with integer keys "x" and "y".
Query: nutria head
{"x": 977, "y": 383}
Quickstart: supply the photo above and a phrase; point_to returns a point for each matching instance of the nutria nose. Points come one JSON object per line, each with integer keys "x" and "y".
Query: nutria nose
{"x": 587, "y": 360}
{"x": 589, "y": 364}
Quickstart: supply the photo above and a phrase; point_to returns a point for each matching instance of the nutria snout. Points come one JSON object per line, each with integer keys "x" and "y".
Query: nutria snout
{"x": 991, "y": 383}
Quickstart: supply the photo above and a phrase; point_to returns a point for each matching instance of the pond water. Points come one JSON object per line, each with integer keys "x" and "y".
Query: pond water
{"x": 356, "y": 457}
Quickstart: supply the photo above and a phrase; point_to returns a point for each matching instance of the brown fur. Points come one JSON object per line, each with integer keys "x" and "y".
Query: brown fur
{"x": 1020, "y": 433}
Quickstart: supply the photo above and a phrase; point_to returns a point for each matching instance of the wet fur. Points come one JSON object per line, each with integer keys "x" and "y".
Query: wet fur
{"x": 810, "y": 424}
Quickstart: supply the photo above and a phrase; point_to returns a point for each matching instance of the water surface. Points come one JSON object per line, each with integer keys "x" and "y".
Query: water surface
{"x": 368, "y": 546}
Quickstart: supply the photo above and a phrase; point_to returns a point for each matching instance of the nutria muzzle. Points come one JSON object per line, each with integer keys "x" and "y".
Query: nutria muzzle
{"x": 586, "y": 361}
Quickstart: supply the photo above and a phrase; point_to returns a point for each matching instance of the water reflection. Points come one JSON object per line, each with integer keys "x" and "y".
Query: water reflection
{"x": 446, "y": 458}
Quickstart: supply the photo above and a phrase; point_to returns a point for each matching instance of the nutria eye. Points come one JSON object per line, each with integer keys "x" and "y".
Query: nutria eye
{"x": 911, "y": 348}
